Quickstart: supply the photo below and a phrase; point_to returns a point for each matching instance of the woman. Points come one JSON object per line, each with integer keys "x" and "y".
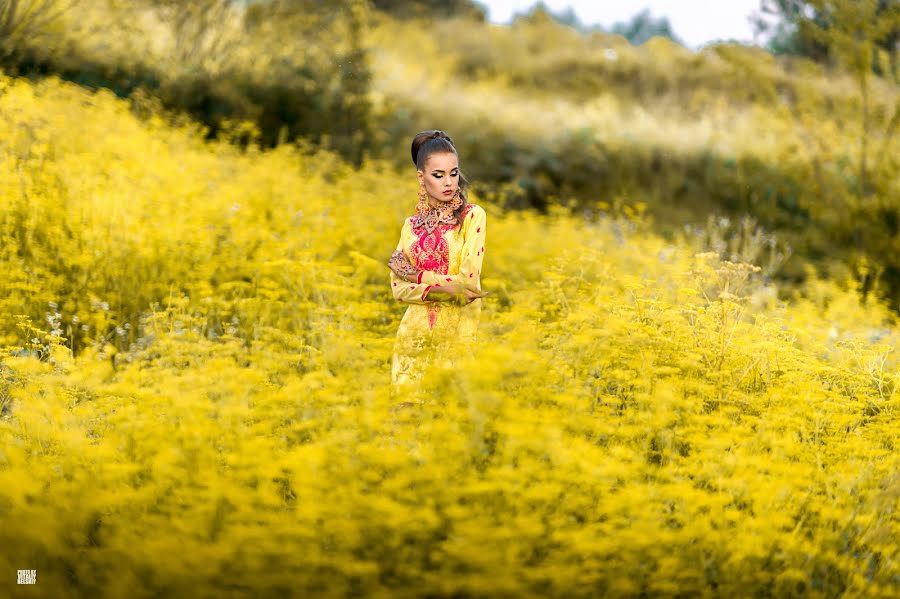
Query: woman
{"x": 436, "y": 268}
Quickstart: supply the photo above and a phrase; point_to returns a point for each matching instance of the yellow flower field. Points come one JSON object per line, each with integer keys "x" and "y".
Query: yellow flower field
{"x": 195, "y": 391}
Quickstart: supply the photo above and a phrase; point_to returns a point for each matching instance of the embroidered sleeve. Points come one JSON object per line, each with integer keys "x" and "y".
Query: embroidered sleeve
{"x": 474, "y": 229}
{"x": 405, "y": 291}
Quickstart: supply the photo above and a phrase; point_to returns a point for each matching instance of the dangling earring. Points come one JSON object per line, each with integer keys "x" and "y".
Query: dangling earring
{"x": 456, "y": 202}
{"x": 422, "y": 207}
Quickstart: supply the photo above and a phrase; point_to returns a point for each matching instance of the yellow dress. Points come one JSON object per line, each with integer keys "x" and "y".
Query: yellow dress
{"x": 429, "y": 328}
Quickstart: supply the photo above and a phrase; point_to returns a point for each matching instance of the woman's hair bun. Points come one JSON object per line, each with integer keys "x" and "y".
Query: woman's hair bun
{"x": 425, "y": 136}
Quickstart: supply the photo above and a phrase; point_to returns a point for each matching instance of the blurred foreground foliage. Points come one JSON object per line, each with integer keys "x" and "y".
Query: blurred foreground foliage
{"x": 195, "y": 372}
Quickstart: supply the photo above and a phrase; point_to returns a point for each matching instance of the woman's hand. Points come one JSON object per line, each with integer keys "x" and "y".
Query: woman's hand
{"x": 473, "y": 294}
{"x": 458, "y": 293}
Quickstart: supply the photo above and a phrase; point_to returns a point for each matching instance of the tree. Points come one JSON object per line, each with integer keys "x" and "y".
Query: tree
{"x": 316, "y": 68}
{"x": 565, "y": 17}
{"x": 643, "y": 26}
{"x": 431, "y": 8}
{"x": 861, "y": 38}
{"x": 204, "y": 32}
{"x": 821, "y": 30}
{"x": 638, "y": 30}
{"x": 27, "y": 21}
{"x": 859, "y": 35}
{"x": 786, "y": 26}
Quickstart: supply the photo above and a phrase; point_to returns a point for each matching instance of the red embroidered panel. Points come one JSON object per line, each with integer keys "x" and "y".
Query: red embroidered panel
{"x": 433, "y": 311}
{"x": 430, "y": 251}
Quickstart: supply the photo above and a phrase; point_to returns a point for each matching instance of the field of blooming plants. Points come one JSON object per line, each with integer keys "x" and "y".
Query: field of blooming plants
{"x": 195, "y": 391}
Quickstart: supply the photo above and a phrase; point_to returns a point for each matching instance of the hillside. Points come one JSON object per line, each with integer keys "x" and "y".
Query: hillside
{"x": 549, "y": 116}
{"x": 640, "y": 418}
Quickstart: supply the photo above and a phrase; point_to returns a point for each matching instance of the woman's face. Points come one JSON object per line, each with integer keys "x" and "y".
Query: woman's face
{"x": 440, "y": 177}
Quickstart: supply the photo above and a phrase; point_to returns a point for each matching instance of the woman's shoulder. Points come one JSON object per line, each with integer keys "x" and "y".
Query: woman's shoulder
{"x": 473, "y": 211}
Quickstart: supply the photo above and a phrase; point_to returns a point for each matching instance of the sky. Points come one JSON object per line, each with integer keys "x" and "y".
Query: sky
{"x": 695, "y": 22}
